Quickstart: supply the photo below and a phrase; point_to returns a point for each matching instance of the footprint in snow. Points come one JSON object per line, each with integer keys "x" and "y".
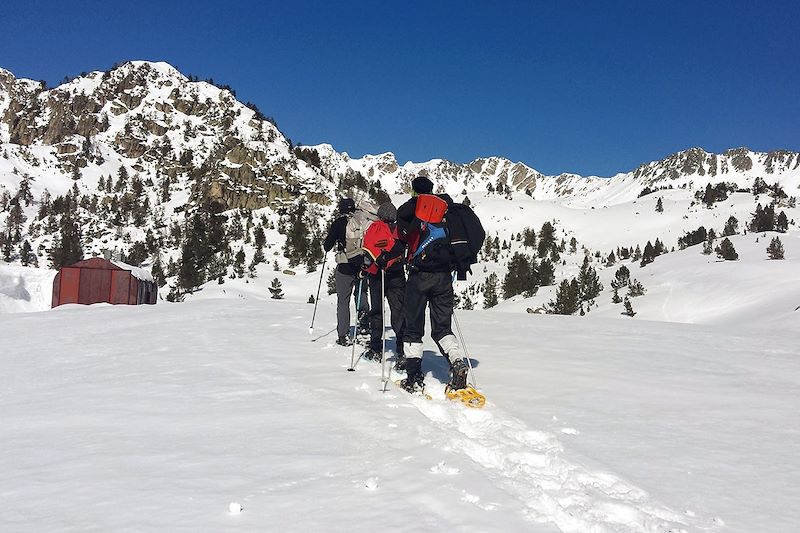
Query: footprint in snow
{"x": 442, "y": 468}
{"x": 476, "y": 501}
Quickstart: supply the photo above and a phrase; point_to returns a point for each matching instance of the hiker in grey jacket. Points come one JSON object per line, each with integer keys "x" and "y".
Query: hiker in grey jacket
{"x": 347, "y": 275}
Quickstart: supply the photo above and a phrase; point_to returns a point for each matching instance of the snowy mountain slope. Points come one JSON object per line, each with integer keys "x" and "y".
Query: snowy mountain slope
{"x": 158, "y": 417}
{"x": 688, "y": 287}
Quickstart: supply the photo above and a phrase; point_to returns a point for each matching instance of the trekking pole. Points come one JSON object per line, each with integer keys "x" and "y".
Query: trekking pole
{"x": 466, "y": 354}
{"x": 384, "y": 379}
{"x": 464, "y": 345}
{"x": 316, "y": 302}
{"x": 355, "y": 329}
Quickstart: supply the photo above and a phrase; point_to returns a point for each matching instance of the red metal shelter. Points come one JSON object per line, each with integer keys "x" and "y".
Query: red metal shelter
{"x": 98, "y": 280}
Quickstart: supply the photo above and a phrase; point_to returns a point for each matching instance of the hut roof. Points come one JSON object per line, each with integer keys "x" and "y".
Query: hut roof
{"x": 104, "y": 264}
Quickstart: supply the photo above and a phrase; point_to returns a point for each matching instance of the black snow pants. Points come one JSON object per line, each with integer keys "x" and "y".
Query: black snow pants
{"x": 395, "y": 293}
{"x": 434, "y": 289}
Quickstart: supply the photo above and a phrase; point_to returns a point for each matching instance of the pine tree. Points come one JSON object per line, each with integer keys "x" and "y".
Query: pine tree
{"x": 731, "y": 227}
{"x": 276, "y": 290}
{"x": 528, "y": 238}
{"x": 628, "y": 308}
{"x": 659, "y": 206}
{"x": 238, "y": 263}
{"x": 726, "y": 251}
{"x": 547, "y": 239}
{"x": 759, "y": 186}
{"x": 157, "y": 270}
{"x": 588, "y": 282}
{"x": 520, "y": 277}
{"x": 490, "y": 291}
{"x": 68, "y": 248}
{"x": 708, "y": 246}
{"x": 622, "y": 277}
{"x": 616, "y": 298}
{"x": 7, "y": 246}
{"x": 547, "y": 273}
{"x": 775, "y": 249}
{"x": 297, "y": 242}
{"x": 25, "y": 252}
{"x": 782, "y": 223}
{"x": 635, "y": 288}
{"x": 259, "y": 237}
{"x": 637, "y": 254}
{"x": 567, "y": 300}
{"x": 649, "y": 254}
{"x": 331, "y": 283}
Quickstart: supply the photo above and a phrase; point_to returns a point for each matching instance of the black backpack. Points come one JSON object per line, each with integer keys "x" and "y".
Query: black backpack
{"x": 466, "y": 237}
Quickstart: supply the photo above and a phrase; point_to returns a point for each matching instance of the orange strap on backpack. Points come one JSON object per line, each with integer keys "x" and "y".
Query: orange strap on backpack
{"x": 430, "y": 208}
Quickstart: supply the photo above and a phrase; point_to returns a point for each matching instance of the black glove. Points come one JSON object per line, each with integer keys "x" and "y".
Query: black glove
{"x": 382, "y": 260}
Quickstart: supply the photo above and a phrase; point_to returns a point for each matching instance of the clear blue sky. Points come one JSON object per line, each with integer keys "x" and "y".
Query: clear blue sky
{"x": 586, "y": 87}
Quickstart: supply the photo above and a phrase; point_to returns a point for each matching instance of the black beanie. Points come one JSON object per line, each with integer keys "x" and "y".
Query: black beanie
{"x": 387, "y": 212}
{"x": 347, "y": 205}
{"x": 422, "y": 185}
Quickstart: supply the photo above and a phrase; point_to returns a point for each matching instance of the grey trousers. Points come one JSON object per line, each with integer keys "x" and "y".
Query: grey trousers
{"x": 345, "y": 285}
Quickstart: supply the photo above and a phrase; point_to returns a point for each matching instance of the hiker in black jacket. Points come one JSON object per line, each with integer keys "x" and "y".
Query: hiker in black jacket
{"x": 347, "y": 275}
{"x": 430, "y": 284}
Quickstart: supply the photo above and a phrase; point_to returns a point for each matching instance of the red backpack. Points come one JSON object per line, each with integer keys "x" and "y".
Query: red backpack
{"x": 378, "y": 238}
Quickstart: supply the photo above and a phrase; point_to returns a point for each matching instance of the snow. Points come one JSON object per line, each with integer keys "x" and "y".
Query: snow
{"x": 219, "y": 413}
{"x": 136, "y": 272}
{"x": 161, "y": 417}
{"x": 25, "y": 290}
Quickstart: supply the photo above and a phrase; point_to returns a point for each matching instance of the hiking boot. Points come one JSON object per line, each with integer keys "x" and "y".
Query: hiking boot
{"x": 372, "y": 355}
{"x": 458, "y": 372}
{"x": 343, "y": 341}
{"x": 415, "y": 379}
{"x": 400, "y": 362}
{"x": 412, "y": 386}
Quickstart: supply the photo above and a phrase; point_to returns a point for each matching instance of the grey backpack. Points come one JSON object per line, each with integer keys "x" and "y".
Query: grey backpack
{"x": 357, "y": 223}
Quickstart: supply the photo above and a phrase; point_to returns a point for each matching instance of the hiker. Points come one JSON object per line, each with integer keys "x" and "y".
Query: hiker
{"x": 385, "y": 256}
{"x": 349, "y": 258}
{"x": 432, "y": 257}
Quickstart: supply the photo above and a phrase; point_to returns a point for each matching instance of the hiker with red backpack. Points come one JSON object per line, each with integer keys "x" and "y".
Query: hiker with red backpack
{"x": 443, "y": 237}
{"x": 383, "y": 264}
{"x": 345, "y": 233}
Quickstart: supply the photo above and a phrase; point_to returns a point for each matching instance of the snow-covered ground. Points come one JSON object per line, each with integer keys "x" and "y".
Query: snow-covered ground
{"x": 24, "y": 290}
{"x": 156, "y": 418}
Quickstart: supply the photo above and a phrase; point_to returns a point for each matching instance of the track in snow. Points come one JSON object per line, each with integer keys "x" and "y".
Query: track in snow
{"x": 532, "y": 467}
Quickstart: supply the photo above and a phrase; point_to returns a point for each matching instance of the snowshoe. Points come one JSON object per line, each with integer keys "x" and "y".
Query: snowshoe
{"x": 468, "y": 396}
{"x": 458, "y": 389}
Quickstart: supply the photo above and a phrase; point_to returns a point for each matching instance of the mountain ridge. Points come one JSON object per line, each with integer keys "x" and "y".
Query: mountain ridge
{"x": 739, "y": 164}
